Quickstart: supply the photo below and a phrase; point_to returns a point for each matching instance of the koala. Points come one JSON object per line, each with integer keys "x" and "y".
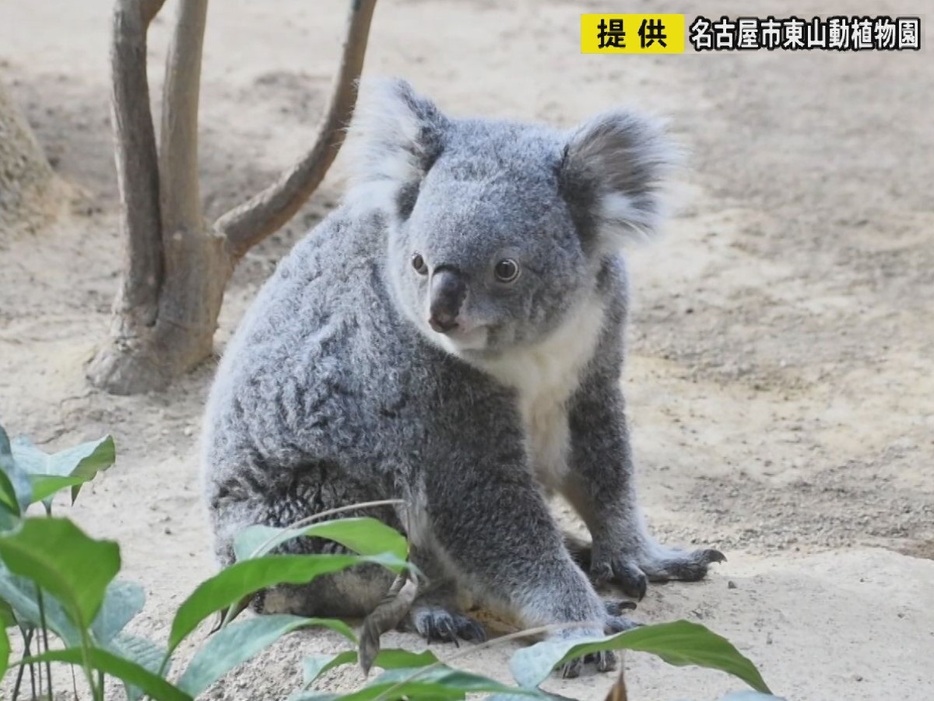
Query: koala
{"x": 451, "y": 336}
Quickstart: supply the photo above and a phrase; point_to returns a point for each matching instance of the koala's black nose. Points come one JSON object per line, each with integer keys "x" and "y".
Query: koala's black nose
{"x": 446, "y": 295}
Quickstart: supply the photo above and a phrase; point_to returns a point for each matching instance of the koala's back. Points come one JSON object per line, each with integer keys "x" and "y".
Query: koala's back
{"x": 310, "y": 392}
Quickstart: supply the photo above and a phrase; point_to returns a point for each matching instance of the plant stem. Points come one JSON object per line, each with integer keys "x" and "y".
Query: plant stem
{"x": 27, "y": 637}
{"x": 96, "y": 691}
{"x": 44, "y": 642}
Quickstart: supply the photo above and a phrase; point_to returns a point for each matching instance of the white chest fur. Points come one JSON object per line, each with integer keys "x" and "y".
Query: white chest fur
{"x": 545, "y": 377}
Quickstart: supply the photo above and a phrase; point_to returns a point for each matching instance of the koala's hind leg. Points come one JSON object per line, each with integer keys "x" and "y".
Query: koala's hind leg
{"x": 351, "y": 593}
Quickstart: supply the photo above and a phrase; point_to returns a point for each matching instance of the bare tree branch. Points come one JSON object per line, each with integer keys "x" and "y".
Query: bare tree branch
{"x": 149, "y": 9}
{"x": 136, "y": 161}
{"x": 252, "y": 221}
{"x": 178, "y": 147}
{"x": 176, "y": 268}
{"x": 197, "y": 265}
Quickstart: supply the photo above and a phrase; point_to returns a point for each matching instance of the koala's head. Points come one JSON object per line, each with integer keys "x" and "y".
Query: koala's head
{"x": 497, "y": 230}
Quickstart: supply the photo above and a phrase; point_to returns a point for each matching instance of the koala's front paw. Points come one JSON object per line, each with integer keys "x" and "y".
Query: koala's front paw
{"x": 632, "y": 572}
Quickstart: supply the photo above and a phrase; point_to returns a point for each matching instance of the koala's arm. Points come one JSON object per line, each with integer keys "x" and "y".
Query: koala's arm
{"x": 600, "y": 483}
{"x": 492, "y": 525}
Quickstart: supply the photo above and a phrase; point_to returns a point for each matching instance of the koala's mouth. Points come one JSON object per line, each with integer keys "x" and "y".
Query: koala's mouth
{"x": 465, "y": 338}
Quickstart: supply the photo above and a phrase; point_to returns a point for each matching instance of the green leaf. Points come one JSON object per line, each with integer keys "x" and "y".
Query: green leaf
{"x": 108, "y": 663}
{"x": 9, "y": 505}
{"x": 140, "y": 651}
{"x": 751, "y": 696}
{"x": 678, "y": 643}
{"x": 81, "y": 462}
{"x": 6, "y": 451}
{"x": 102, "y": 455}
{"x": 7, "y": 617}
{"x": 316, "y": 665}
{"x": 123, "y": 600}
{"x": 44, "y": 487}
{"x": 21, "y": 594}
{"x": 8, "y": 519}
{"x": 237, "y": 643}
{"x": 403, "y": 659}
{"x": 522, "y": 694}
{"x": 4, "y": 652}
{"x": 435, "y": 683}
{"x": 8, "y": 494}
{"x": 16, "y": 476}
{"x": 514, "y": 696}
{"x": 241, "y": 579}
{"x": 64, "y": 562}
{"x": 365, "y": 535}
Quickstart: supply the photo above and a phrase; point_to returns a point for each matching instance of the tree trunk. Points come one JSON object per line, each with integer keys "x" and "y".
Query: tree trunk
{"x": 176, "y": 271}
{"x": 26, "y": 178}
{"x": 178, "y": 267}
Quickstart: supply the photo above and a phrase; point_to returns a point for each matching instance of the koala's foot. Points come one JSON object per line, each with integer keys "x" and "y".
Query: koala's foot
{"x": 439, "y": 624}
{"x": 632, "y": 571}
{"x": 687, "y": 566}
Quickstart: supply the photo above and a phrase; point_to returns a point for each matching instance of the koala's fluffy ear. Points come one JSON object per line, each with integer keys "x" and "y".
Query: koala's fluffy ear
{"x": 394, "y": 138}
{"x": 613, "y": 175}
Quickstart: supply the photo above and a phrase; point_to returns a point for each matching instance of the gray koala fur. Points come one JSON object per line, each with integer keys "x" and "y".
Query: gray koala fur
{"x": 393, "y": 356}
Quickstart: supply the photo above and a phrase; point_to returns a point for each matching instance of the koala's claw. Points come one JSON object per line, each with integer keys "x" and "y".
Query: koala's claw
{"x": 444, "y": 631}
{"x": 632, "y": 574}
{"x": 626, "y": 575}
{"x": 618, "y": 624}
{"x": 604, "y": 661}
{"x": 436, "y": 624}
{"x": 632, "y": 581}
{"x": 615, "y": 607}
{"x": 688, "y": 567}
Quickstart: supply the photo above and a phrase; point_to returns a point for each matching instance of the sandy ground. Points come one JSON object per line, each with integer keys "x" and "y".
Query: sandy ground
{"x": 779, "y": 380}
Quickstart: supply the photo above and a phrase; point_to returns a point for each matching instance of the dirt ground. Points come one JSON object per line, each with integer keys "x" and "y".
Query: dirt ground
{"x": 779, "y": 378}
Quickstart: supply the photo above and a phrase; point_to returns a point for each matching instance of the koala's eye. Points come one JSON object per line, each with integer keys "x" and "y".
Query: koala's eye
{"x": 419, "y": 264}
{"x": 506, "y": 270}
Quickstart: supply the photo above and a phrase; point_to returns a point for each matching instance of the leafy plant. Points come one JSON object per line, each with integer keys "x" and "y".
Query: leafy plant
{"x": 413, "y": 676}
{"x": 58, "y": 585}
